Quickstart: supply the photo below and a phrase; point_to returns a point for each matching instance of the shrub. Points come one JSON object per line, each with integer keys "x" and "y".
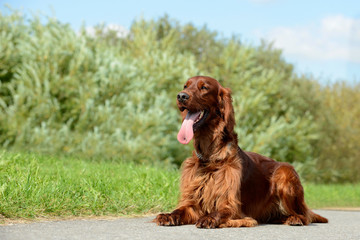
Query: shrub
{"x": 339, "y": 146}
{"x": 73, "y": 94}
{"x": 110, "y": 97}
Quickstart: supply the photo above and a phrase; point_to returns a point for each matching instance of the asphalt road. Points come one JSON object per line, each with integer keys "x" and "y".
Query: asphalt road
{"x": 342, "y": 225}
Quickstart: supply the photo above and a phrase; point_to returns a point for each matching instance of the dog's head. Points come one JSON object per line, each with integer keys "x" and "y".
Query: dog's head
{"x": 205, "y": 105}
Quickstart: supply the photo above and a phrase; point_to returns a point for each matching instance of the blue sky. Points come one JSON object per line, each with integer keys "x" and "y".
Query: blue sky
{"x": 321, "y": 38}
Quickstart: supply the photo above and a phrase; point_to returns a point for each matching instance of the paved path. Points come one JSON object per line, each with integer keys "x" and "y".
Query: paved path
{"x": 343, "y": 225}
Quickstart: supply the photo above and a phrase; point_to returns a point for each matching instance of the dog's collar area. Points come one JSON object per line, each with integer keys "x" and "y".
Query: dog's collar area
{"x": 199, "y": 155}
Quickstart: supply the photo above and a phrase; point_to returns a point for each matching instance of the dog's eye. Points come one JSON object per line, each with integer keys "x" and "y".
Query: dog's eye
{"x": 203, "y": 87}
{"x": 185, "y": 86}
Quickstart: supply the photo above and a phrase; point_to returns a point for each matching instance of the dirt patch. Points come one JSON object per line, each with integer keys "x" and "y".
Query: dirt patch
{"x": 11, "y": 221}
{"x": 342, "y": 208}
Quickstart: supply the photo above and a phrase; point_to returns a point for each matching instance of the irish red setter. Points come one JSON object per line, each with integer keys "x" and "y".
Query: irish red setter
{"x": 222, "y": 185}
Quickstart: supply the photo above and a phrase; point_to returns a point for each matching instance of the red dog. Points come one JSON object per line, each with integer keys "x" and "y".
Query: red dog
{"x": 221, "y": 185}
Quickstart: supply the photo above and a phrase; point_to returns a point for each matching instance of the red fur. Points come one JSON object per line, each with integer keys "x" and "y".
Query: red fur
{"x": 228, "y": 187}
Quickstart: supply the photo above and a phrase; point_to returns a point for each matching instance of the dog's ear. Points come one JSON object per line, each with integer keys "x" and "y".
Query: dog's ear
{"x": 226, "y": 108}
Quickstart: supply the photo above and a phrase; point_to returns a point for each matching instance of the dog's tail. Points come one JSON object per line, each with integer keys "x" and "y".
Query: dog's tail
{"x": 316, "y": 218}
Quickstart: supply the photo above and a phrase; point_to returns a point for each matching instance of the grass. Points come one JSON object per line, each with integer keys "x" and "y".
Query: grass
{"x": 332, "y": 195}
{"x": 37, "y": 186}
{"x": 34, "y": 186}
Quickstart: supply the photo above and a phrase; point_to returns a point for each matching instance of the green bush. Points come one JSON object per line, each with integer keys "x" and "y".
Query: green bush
{"x": 103, "y": 96}
{"x": 339, "y": 146}
{"x": 70, "y": 93}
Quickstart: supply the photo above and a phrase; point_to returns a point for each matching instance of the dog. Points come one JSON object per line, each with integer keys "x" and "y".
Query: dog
{"x": 222, "y": 185}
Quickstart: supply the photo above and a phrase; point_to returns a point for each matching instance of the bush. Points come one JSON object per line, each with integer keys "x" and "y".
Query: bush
{"x": 339, "y": 149}
{"x": 109, "y": 97}
{"x": 70, "y": 93}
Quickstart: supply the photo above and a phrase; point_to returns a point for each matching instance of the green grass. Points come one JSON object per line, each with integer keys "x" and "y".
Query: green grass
{"x": 332, "y": 195}
{"x": 33, "y": 186}
{"x": 38, "y": 186}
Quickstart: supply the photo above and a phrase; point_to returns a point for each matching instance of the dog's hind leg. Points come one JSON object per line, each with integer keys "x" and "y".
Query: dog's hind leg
{"x": 287, "y": 186}
{"x": 316, "y": 218}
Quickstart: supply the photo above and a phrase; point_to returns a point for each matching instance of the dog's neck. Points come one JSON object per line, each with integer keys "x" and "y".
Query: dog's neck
{"x": 213, "y": 146}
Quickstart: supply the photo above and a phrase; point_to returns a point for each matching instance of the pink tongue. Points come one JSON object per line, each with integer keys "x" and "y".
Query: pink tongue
{"x": 186, "y": 132}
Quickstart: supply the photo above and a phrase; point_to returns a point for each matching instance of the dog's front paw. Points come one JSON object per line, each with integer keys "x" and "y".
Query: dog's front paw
{"x": 167, "y": 219}
{"x": 207, "y": 222}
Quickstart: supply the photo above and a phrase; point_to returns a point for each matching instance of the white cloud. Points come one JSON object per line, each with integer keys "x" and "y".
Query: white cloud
{"x": 121, "y": 31}
{"x": 333, "y": 38}
{"x": 336, "y": 25}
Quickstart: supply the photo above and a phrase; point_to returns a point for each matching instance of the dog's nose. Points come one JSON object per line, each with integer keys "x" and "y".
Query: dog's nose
{"x": 182, "y": 97}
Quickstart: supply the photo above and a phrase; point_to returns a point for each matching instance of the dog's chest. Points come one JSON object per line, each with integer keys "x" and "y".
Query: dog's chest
{"x": 207, "y": 193}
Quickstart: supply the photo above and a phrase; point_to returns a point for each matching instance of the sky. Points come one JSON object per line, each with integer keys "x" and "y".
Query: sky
{"x": 321, "y": 38}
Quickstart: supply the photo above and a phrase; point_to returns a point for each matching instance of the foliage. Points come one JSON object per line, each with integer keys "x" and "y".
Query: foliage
{"x": 339, "y": 147}
{"x": 110, "y": 97}
{"x": 70, "y": 93}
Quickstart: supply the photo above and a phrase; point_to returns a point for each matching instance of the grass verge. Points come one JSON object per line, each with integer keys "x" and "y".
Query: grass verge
{"x": 37, "y": 186}
{"x": 332, "y": 195}
{"x": 33, "y": 186}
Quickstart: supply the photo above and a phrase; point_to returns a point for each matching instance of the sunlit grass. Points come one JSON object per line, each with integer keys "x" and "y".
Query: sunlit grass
{"x": 39, "y": 186}
{"x": 332, "y": 195}
{"x": 33, "y": 186}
